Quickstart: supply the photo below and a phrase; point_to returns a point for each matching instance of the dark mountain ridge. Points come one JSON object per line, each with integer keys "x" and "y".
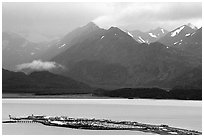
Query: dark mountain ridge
{"x": 40, "y": 82}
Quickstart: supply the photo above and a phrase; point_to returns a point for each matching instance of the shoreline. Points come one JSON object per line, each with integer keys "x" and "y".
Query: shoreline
{"x": 79, "y": 96}
{"x": 118, "y": 101}
{"x": 138, "y": 101}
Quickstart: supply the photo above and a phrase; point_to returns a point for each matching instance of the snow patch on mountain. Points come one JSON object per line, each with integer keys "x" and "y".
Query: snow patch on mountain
{"x": 129, "y": 34}
{"x": 178, "y": 42}
{"x": 188, "y": 34}
{"x": 62, "y": 46}
{"x": 192, "y": 33}
{"x": 162, "y": 30}
{"x": 175, "y": 43}
{"x": 176, "y": 32}
{"x": 141, "y": 40}
{"x": 152, "y": 35}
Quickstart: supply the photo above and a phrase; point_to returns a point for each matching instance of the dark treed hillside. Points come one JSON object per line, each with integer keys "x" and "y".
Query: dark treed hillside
{"x": 152, "y": 93}
{"x": 40, "y": 82}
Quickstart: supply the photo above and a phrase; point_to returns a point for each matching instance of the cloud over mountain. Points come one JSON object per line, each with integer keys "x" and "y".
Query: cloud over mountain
{"x": 56, "y": 19}
{"x": 145, "y": 15}
{"x": 39, "y": 65}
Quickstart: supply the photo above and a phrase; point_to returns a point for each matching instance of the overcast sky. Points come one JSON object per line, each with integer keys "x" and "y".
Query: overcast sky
{"x": 57, "y": 19}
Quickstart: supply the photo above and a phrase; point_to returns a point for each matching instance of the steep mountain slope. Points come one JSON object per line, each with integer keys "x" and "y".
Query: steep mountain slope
{"x": 16, "y": 80}
{"x": 39, "y": 82}
{"x": 114, "y": 58}
{"x": 176, "y": 36}
{"x": 150, "y": 36}
{"x": 50, "y": 80}
{"x": 99, "y": 58}
{"x": 100, "y": 47}
{"x": 188, "y": 43}
{"x": 188, "y": 80}
{"x": 192, "y": 44}
{"x": 78, "y": 35}
{"x": 17, "y": 50}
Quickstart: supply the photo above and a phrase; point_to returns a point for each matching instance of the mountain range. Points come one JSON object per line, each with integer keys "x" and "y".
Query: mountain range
{"x": 114, "y": 58}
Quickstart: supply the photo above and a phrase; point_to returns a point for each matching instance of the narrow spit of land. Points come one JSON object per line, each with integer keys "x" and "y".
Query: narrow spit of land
{"x": 101, "y": 124}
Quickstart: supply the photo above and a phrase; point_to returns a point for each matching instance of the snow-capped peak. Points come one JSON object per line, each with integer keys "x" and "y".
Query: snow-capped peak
{"x": 177, "y": 31}
{"x": 192, "y": 26}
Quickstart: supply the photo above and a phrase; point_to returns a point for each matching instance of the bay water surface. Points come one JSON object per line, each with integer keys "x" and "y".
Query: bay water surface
{"x": 176, "y": 113}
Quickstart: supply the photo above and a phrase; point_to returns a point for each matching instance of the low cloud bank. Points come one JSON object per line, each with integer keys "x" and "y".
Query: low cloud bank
{"x": 38, "y": 65}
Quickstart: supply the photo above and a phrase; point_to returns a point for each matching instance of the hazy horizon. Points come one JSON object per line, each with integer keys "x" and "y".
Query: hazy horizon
{"x": 52, "y": 20}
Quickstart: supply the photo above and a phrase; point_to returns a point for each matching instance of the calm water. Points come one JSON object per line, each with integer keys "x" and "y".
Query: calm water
{"x": 184, "y": 114}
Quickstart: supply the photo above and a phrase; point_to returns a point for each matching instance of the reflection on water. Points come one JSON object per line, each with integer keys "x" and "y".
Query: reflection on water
{"x": 184, "y": 114}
